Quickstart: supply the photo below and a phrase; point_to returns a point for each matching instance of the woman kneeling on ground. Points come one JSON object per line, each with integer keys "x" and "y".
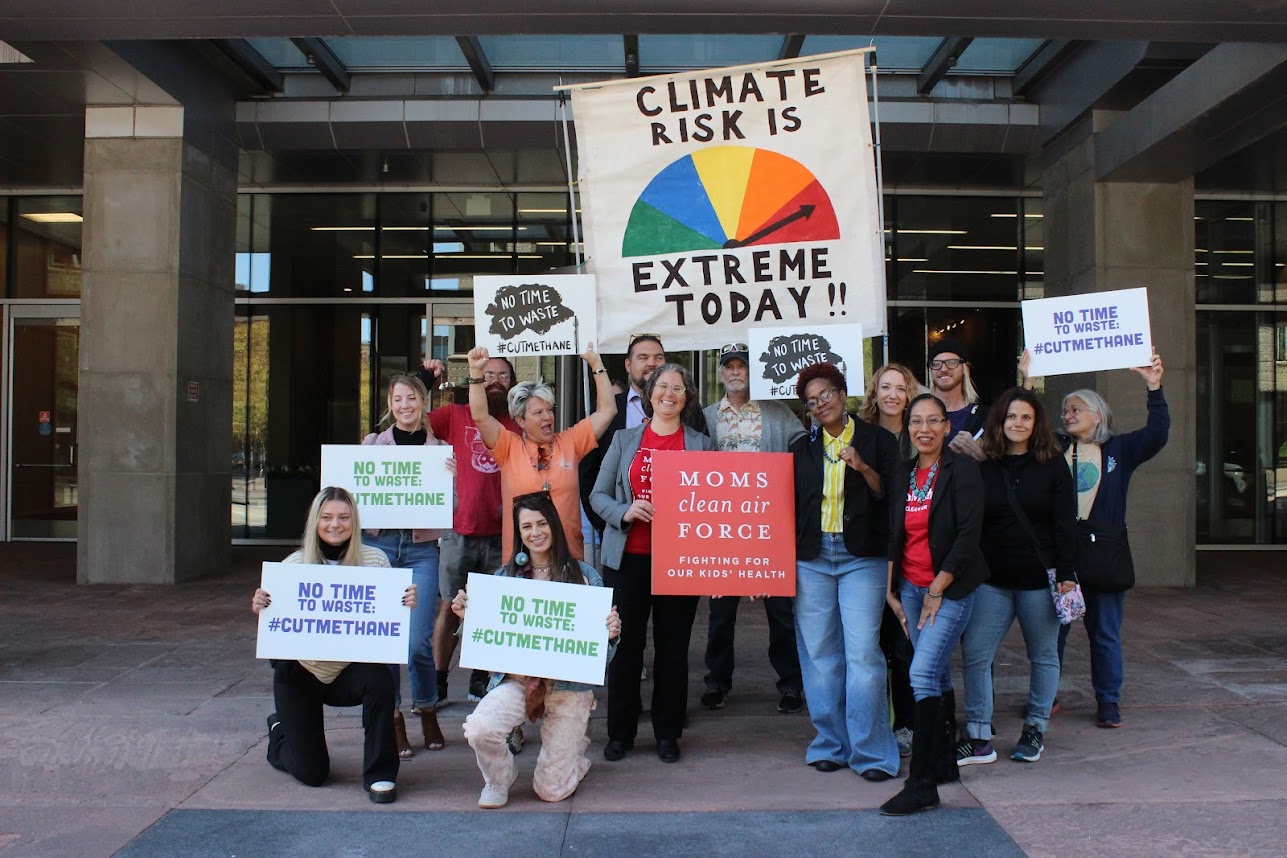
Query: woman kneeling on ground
{"x": 296, "y": 732}
{"x": 540, "y": 552}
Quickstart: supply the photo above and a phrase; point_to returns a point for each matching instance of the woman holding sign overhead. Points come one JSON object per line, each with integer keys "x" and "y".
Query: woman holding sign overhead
{"x": 417, "y": 550}
{"x": 622, "y": 496}
{"x": 843, "y": 470}
{"x": 296, "y": 733}
{"x": 537, "y": 458}
{"x": 1102, "y": 463}
{"x": 539, "y": 552}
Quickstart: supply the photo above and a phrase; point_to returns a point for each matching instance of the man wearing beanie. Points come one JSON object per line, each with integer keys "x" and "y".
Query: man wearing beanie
{"x": 949, "y": 372}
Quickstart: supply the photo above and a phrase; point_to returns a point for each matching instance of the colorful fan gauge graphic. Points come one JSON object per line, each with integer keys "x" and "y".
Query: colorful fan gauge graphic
{"x": 726, "y": 197}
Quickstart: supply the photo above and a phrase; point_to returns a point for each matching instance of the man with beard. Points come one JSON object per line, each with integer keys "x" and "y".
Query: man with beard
{"x": 741, "y": 425}
{"x": 949, "y": 371}
{"x": 474, "y": 543}
{"x": 644, "y": 354}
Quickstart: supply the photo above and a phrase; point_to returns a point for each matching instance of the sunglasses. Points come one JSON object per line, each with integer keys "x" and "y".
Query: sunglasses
{"x": 732, "y": 347}
{"x": 642, "y": 335}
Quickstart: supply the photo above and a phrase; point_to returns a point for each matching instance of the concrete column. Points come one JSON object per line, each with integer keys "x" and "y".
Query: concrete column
{"x": 1102, "y": 236}
{"x": 156, "y": 351}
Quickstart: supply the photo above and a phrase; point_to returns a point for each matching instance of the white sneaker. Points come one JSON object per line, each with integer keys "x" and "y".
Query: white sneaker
{"x": 495, "y": 796}
{"x": 383, "y": 792}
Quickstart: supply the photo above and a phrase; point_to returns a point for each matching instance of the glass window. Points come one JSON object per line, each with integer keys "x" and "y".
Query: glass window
{"x": 280, "y": 52}
{"x": 1224, "y": 245}
{"x": 1228, "y": 395}
{"x": 677, "y": 53}
{"x": 1277, "y": 277}
{"x": 47, "y": 235}
{"x": 311, "y": 245}
{"x": 995, "y": 56}
{"x": 1033, "y": 244}
{"x": 554, "y": 53}
{"x": 956, "y": 248}
{"x": 428, "y": 53}
{"x": 4, "y": 246}
{"x": 893, "y": 53}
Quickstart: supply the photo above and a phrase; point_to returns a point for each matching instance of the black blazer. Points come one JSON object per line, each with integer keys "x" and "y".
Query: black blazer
{"x": 866, "y": 513}
{"x": 588, "y": 469}
{"x": 955, "y": 522}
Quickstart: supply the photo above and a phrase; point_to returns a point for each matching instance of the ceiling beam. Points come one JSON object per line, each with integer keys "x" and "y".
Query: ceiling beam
{"x": 251, "y": 63}
{"x": 477, "y": 59}
{"x": 631, "y": 48}
{"x": 1041, "y": 63}
{"x": 321, "y": 57}
{"x": 944, "y": 58}
{"x": 791, "y": 46}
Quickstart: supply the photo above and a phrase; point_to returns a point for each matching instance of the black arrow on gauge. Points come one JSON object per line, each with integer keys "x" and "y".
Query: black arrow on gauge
{"x": 802, "y": 213}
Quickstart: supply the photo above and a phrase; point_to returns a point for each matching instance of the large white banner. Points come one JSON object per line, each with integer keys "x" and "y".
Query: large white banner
{"x": 335, "y": 613}
{"x": 536, "y": 628}
{"x": 394, "y": 485}
{"x": 534, "y": 314}
{"x": 778, "y": 354}
{"x": 720, "y": 199}
{"x": 1087, "y": 332}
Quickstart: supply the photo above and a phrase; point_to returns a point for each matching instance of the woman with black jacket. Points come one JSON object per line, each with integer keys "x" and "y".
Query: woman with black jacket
{"x": 1029, "y": 526}
{"x": 842, "y": 483}
{"x": 934, "y": 558}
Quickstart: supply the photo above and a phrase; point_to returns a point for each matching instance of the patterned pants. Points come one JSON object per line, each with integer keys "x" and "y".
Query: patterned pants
{"x": 562, "y": 762}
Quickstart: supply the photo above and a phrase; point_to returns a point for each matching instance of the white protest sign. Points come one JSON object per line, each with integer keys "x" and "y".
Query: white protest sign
{"x": 394, "y": 485}
{"x": 718, "y": 199}
{"x": 537, "y": 314}
{"x": 536, "y": 628}
{"x": 334, "y": 613}
{"x": 778, "y": 355}
{"x": 1085, "y": 333}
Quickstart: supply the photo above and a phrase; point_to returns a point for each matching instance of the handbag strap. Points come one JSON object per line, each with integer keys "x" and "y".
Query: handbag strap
{"x": 1023, "y": 521}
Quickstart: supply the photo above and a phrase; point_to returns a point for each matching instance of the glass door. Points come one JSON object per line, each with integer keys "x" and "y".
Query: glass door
{"x": 44, "y": 347}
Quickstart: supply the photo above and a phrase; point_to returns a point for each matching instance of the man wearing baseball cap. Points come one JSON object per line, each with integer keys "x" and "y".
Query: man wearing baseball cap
{"x": 739, "y": 424}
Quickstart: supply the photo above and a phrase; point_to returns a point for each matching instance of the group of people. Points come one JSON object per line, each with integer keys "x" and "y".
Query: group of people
{"x": 924, "y": 521}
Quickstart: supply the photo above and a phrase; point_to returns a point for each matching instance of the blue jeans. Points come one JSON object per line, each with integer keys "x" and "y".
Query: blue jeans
{"x": 1104, "y": 612}
{"x": 422, "y": 559}
{"x": 838, "y": 604}
{"x": 995, "y": 609}
{"x": 931, "y": 671}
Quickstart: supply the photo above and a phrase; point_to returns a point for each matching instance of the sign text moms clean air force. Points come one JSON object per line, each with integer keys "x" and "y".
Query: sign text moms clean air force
{"x": 719, "y": 200}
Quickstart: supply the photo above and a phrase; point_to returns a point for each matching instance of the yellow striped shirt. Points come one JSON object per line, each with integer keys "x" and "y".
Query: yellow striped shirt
{"x": 833, "y": 478}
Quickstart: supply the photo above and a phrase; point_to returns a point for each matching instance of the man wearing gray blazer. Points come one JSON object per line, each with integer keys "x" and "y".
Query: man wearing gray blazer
{"x": 739, "y": 424}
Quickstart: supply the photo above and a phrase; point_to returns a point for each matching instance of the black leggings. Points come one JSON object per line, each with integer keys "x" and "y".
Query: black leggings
{"x": 298, "y": 744}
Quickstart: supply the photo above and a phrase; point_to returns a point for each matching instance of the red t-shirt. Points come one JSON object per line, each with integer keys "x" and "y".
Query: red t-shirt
{"x": 639, "y": 537}
{"x": 918, "y": 566}
{"x": 478, "y": 485}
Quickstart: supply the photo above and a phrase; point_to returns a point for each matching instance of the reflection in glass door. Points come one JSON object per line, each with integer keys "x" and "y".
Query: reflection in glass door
{"x": 43, "y": 366}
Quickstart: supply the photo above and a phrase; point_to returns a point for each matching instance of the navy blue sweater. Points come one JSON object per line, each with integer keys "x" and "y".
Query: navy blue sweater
{"x": 1122, "y": 454}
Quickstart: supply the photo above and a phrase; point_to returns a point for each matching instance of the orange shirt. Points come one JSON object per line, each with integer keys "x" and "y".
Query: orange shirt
{"x": 520, "y": 476}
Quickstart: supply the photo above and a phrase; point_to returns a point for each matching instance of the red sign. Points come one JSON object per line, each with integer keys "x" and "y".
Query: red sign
{"x": 724, "y": 524}
{"x": 44, "y": 417}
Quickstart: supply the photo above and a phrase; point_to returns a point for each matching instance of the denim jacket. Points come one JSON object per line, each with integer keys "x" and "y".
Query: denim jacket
{"x": 592, "y": 578}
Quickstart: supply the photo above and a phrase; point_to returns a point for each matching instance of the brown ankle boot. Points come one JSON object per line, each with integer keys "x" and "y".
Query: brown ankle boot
{"x": 434, "y": 739}
{"x": 400, "y": 736}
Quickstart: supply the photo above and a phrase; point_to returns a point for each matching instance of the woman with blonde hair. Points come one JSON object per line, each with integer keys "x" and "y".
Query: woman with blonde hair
{"x": 296, "y": 733}
{"x": 415, "y": 549}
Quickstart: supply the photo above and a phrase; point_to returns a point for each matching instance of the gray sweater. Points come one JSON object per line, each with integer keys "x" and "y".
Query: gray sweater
{"x": 779, "y": 428}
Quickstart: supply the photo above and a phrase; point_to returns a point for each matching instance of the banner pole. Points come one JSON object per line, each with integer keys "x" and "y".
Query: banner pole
{"x": 880, "y": 198}
{"x": 576, "y": 231}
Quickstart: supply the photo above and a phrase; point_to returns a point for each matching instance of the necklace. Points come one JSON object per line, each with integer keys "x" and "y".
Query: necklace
{"x": 827, "y": 437}
{"x": 541, "y": 571}
{"x": 920, "y": 493}
{"x": 541, "y": 461}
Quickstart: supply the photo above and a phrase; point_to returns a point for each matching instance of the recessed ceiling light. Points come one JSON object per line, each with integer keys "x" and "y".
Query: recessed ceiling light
{"x": 54, "y": 217}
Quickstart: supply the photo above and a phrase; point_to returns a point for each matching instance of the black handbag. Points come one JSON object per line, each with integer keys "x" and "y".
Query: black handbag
{"x": 1104, "y": 561}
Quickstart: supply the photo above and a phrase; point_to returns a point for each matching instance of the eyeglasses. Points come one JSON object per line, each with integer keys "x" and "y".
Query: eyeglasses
{"x": 664, "y": 388}
{"x": 728, "y": 348}
{"x": 825, "y": 396}
{"x": 497, "y": 376}
{"x": 1074, "y": 411}
{"x": 931, "y": 422}
{"x": 950, "y": 363}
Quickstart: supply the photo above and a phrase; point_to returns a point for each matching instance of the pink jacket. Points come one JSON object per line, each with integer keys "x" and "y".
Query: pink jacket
{"x": 419, "y": 534}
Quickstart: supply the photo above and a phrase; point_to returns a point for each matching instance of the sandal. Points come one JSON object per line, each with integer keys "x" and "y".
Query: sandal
{"x": 400, "y": 736}
{"x": 434, "y": 739}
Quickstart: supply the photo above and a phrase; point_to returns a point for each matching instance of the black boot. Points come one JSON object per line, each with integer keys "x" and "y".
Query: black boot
{"x": 919, "y": 793}
{"x": 945, "y": 769}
